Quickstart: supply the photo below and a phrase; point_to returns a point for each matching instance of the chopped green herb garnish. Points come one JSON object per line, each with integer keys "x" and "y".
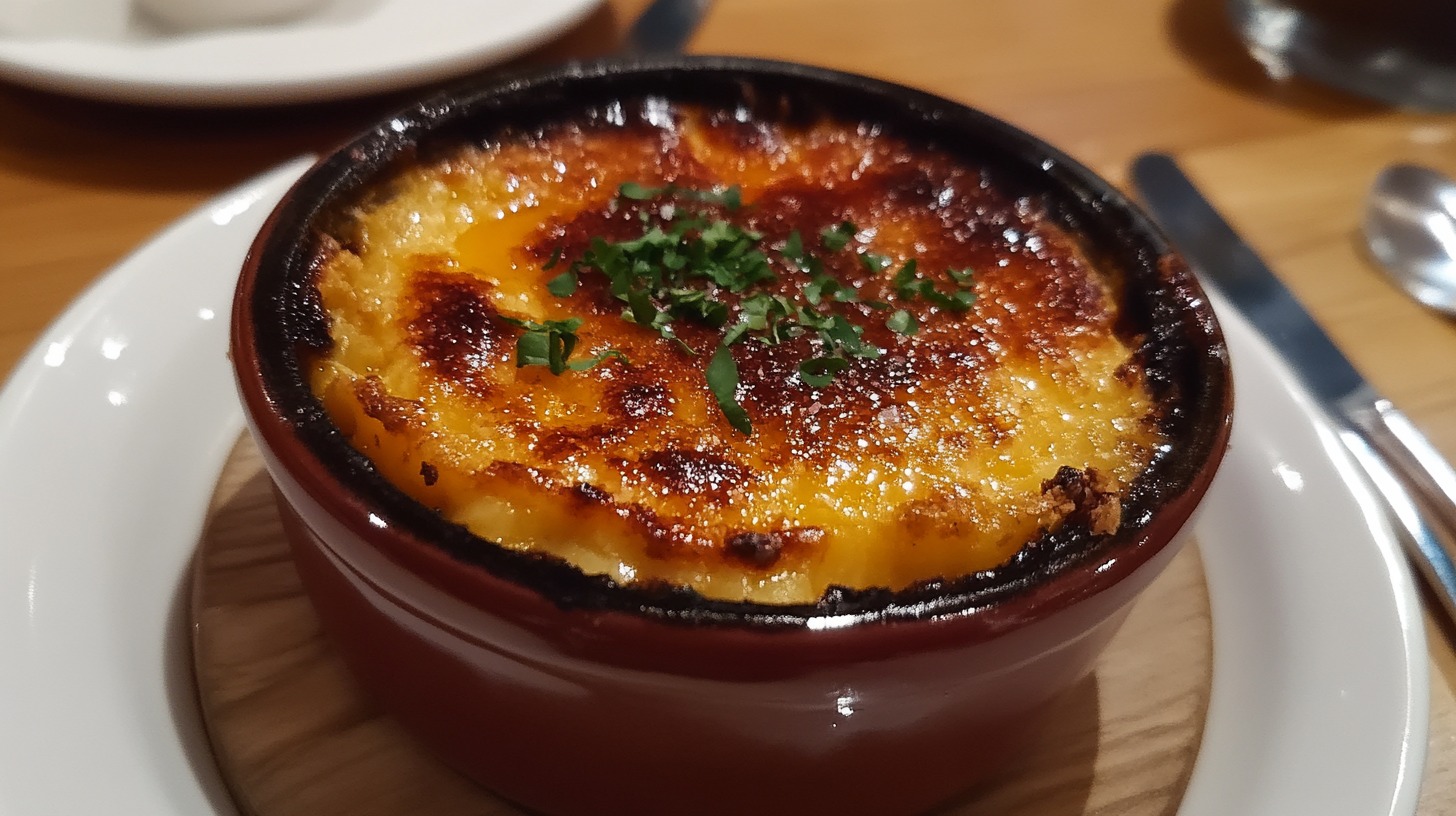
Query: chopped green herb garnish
{"x": 847, "y": 336}
{"x": 686, "y": 257}
{"x": 906, "y": 284}
{"x": 642, "y": 310}
{"x": 909, "y": 286}
{"x": 545, "y": 344}
{"x": 533, "y": 348}
{"x": 820, "y": 287}
{"x": 819, "y": 371}
{"x": 874, "y": 263}
{"x": 837, "y": 237}
{"x": 794, "y": 247}
{"x": 963, "y": 299}
{"x": 563, "y": 285}
{"x": 591, "y": 362}
{"x": 902, "y": 322}
{"x": 637, "y": 192}
{"x": 765, "y": 313}
{"x": 722, "y": 377}
{"x": 730, "y": 198}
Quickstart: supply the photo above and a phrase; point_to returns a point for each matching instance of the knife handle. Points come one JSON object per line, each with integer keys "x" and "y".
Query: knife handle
{"x": 1429, "y": 483}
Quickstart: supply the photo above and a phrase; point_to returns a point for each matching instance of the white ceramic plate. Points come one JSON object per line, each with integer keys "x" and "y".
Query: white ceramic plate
{"x": 350, "y": 48}
{"x": 113, "y": 430}
{"x": 1320, "y": 701}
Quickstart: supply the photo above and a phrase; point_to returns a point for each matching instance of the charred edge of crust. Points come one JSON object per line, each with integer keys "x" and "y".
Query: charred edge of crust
{"x": 1085, "y": 497}
{"x": 302, "y": 303}
{"x": 1132, "y": 372}
{"x": 1165, "y": 353}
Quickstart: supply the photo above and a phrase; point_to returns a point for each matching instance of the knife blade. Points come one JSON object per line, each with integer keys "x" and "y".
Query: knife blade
{"x": 1417, "y": 485}
{"x": 665, "y": 27}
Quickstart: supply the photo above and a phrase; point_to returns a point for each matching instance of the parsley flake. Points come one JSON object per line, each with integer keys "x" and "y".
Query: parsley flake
{"x": 818, "y": 372}
{"x": 730, "y": 198}
{"x": 638, "y": 192}
{"x": 872, "y": 262}
{"x": 794, "y": 247}
{"x": 722, "y": 377}
{"x": 837, "y": 237}
{"x": 546, "y": 344}
{"x": 592, "y": 362}
{"x": 563, "y": 285}
{"x": 902, "y": 322}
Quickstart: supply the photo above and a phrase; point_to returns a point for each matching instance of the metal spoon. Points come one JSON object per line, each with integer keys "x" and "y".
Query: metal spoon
{"x": 1410, "y": 227}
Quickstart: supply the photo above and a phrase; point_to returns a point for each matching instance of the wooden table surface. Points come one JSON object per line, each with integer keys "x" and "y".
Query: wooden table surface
{"x": 82, "y": 183}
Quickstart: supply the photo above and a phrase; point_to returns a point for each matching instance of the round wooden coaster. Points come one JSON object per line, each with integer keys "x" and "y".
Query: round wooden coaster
{"x": 295, "y": 737}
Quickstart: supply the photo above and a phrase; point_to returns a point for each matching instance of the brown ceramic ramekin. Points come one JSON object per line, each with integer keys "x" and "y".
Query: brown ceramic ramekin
{"x": 573, "y": 695}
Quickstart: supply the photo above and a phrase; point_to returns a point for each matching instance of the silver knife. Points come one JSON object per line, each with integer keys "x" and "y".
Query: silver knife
{"x": 1417, "y": 484}
{"x": 665, "y": 27}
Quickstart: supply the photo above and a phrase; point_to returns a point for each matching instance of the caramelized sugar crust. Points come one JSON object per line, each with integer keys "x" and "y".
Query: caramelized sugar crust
{"x": 941, "y": 457}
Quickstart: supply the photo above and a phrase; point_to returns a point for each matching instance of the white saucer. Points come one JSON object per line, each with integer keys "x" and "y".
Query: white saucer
{"x": 351, "y": 48}
{"x": 115, "y": 426}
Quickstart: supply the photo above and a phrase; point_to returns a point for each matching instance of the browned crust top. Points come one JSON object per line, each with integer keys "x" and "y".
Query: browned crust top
{"x": 1040, "y": 304}
{"x": 1038, "y": 294}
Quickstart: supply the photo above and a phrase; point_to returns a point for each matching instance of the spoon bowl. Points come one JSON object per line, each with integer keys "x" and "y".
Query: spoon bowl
{"x": 1410, "y": 228}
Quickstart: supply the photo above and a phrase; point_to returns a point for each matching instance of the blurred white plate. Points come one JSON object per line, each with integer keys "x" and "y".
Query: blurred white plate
{"x": 114, "y": 428}
{"x": 350, "y": 48}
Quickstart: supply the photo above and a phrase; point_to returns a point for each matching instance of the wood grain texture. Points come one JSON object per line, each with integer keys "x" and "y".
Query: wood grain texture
{"x": 82, "y": 183}
{"x": 295, "y": 737}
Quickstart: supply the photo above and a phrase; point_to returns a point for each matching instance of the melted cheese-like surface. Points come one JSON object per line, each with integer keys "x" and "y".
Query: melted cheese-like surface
{"x": 941, "y": 457}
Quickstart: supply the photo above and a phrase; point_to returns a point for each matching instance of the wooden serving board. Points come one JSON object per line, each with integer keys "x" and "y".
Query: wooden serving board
{"x": 295, "y": 737}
